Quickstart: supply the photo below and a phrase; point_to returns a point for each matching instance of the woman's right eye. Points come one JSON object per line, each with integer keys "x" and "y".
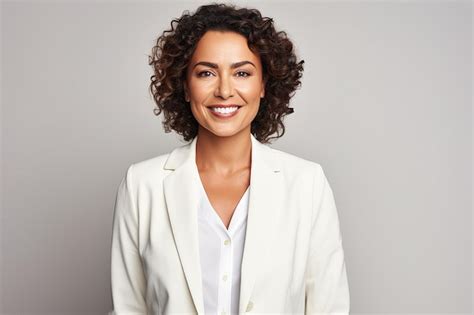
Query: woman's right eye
{"x": 204, "y": 73}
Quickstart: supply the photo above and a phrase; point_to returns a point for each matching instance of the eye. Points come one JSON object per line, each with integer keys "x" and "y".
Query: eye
{"x": 243, "y": 74}
{"x": 204, "y": 73}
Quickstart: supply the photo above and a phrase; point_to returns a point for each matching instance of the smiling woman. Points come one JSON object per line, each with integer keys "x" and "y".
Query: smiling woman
{"x": 240, "y": 40}
{"x": 224, "y": 89}
{"x": 225, "y": 224}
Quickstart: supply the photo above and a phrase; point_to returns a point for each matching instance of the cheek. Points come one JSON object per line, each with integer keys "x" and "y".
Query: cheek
{"x": 199, "y": 89}
{"x": 251, "y": 89}
{"x": 198, "y": 109}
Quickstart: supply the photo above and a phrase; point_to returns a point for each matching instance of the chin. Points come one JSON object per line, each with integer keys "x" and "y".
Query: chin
{"x": 224, "y": 132}
{"x": 220, "y": 133}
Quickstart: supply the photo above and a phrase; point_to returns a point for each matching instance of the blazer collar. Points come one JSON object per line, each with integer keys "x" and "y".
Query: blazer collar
{"x": 187, "y": 152}
{"x": 181, "y": 190}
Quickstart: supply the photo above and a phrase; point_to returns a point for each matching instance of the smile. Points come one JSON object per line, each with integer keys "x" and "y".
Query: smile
{"x": 224, "y": 112}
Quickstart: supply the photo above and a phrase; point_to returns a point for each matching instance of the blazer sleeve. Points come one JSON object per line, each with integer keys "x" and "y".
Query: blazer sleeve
{"x": 127, "y": 277}
{"x": 327, "y": 289}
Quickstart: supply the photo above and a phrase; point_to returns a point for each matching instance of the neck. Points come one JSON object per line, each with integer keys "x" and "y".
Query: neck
{"x": 223, "y": 155}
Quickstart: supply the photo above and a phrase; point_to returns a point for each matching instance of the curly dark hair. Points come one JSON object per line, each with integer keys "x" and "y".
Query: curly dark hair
{"x": 174, "y": 49}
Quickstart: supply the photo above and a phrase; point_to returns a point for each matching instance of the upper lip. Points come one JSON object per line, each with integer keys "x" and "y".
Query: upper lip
{"x": 224, "y": 105}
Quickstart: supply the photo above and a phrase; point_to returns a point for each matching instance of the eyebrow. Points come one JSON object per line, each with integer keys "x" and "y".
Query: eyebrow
{"x": 215, "y": 66}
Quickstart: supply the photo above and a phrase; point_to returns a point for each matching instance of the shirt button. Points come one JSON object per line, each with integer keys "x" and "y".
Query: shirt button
{"x": 224, "y": 277}
{"x": 226, "y": 242}
{"x": 249, "y": 306}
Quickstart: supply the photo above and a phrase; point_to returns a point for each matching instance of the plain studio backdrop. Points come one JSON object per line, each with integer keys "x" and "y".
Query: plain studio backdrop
{"x": 384, "y": 107}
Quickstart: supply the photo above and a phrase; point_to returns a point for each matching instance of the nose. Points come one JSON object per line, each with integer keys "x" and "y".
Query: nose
{"x": 224, "y": 88}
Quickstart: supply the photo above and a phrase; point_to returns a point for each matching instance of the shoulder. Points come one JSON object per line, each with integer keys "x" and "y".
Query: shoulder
{"x": 150, "y": 170}
{"x": 298, "y": 171}
{"x": 293, "y": 164}
{"x": 152, "y": 164}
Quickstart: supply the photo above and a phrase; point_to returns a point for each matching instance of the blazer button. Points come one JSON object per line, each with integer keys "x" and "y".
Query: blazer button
{"x": 249, "y": 306}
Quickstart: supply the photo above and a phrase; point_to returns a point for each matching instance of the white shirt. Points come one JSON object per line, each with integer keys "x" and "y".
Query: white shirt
{"x": 221, "y": 255}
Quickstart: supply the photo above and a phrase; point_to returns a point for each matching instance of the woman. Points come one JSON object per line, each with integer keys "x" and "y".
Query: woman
{"x": 226, "y": 224}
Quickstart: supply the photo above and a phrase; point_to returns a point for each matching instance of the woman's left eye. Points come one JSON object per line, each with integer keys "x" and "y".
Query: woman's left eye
{"x": 243, "y": 74}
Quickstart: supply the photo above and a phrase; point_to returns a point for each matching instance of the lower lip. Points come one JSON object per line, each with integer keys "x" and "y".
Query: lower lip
{"x": 222, "y": 115}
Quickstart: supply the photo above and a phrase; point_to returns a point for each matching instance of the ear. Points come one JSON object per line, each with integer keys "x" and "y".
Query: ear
{"x": 262, "y": 93}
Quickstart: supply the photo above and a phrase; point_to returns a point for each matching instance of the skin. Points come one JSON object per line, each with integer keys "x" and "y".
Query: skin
{"x": 223, "y": 148}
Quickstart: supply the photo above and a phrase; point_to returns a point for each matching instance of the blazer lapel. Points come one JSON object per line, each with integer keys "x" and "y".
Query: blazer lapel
{"x": 265, "y": 200}
{"x": 181, "y": 192}
{"x": 182, "y": 199}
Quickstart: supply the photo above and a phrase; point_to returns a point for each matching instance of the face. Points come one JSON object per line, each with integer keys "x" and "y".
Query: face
{"x": 224, "y": 71}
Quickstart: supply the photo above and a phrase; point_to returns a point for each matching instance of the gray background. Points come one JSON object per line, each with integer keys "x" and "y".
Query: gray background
{"x": 385, "y": 108}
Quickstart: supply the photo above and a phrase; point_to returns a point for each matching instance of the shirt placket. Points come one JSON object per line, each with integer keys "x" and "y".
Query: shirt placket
{"x": 225, "y": 273}
{"x": 226, "y": 257}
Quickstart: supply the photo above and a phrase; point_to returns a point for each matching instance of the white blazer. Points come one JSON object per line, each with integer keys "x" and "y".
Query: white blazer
{"x": 293, "y": 260}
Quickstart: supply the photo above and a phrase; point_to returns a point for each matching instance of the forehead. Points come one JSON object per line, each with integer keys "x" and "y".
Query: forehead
{"x": 223, "y": 47}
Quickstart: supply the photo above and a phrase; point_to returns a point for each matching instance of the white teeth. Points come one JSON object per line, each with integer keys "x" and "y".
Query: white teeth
{"x": 224, "y": 110}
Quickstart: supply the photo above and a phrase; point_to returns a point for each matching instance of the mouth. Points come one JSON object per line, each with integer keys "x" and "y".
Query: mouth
{"x": 226, "y": 111}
